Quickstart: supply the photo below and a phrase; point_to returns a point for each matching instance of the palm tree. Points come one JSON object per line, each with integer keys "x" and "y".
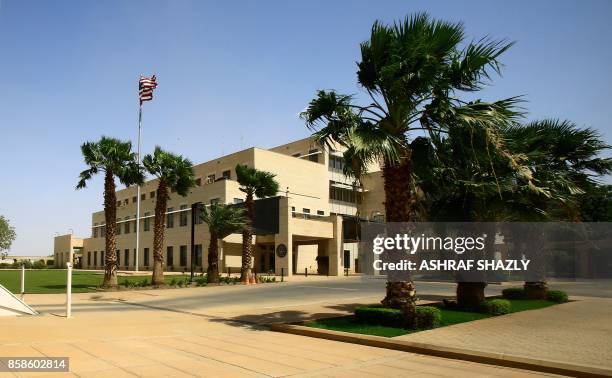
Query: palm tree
{"x": 254, "y": 183}
{"x": 412, "y": 72}
{"x": 566, "y": 163}
{"x": 175, "y": 173}
{"x": 116, "y": 159}
{"x": 222, "y": 221}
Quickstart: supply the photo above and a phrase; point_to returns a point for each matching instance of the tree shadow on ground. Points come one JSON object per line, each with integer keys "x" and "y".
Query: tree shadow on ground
{"x": 263, "y": 321}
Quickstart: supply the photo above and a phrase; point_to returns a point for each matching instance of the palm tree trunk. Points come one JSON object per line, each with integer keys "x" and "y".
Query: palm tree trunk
{"x": 158, "y": 236}
{"x": 247, "y": 236}
{"x": 213, "y": 260}
{"x": 110, "y": 215}
{"x": 400, "y": 292}
{"x": 535, "y": 278}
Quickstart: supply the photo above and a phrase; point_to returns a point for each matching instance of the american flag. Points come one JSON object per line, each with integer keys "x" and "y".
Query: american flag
{"x": 146, "y": 86}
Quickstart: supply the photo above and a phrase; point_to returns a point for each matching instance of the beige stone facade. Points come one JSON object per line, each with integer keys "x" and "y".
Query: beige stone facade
{"x": 315, "y": 198}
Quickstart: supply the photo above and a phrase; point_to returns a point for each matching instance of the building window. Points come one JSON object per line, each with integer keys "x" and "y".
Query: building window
{"x": 126, "y": 225}
{"x": 210, "y": 179}
{"x": 343, "y": 194}
{"x": 183, "y": 255}
{"x": 126, "y": 257}
{"x": 146, "y": 256}
{"x": 95, "y": 257}
{"x": 313, "y": 155}
{"x": 227, "y": 174}
{"x": 306, "y": 213}
{"x": 118, "y": 203}
{"x": 296, "y": 155}
{"x": 118, "y": 228}
{"x": 336, "y": 162}
{"x": 170, "y": 218}
{"x": 147, "y": 221}
{"x": 134, "y": 199}
{"x": 238, "y": 200}
{"x": 143, "y": 197}
{"x": 126, "y": 201}
{"x": 118, "y": 258}
{"x": 169, "y": 256}
{"x": 152, "y": 195}
{"x": 198, "y": 211}
{"x": 214, "y": 201}
{"x": 89, "y": 258}
{"x": 198, "y": 254}
{"x": 183, "y": 216}
{"x": 102, "y": 258}
{"x": 320, "y": 212}
{"x": 198, "y": 182}
{"x": 95, "y": 231}
{"x": 103, "y": 231}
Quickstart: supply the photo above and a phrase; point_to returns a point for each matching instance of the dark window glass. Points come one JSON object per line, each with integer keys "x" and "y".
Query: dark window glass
{"x": 147, "y": 221}
{"x": 183, "y": 216}
{"x": 169, "y": 256}
{"x": 146, "y": 256}
{"x": 126, "y": 257}
{"x": 126, "y": 225}
{"x": 170, "y": 218}
{"x": 134, "y": 199}
{"x": 227, "y": 174}
{"x": 118, "y": 258}
{"x": 198, "y": 254}
{"x": 313, "y": 155}
{"x": 183, "y": 255}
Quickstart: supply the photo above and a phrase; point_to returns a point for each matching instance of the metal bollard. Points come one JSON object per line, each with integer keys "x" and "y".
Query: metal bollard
{"x": 22, "y": 281}
{"x": 306, "y": 272}
{"x": 69, "y": 291}
{"x": 282, "y": 274}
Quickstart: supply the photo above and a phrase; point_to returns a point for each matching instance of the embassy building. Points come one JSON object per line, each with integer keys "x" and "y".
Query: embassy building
{"x": 311, "y": 225}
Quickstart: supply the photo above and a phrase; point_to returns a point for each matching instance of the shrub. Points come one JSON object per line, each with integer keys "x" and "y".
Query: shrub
{"x": 427, "y": 317}
{"x": 514, "y": 293}
{"x": 389, "y": 317}
{"x": 173, "y": 281}
{"x": 558, "y": 296}
{"x": 497, "y": 306}
{"x": 201, "y": 281}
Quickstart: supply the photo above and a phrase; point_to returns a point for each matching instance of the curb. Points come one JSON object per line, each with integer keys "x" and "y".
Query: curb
{"x": 498, "y": 359}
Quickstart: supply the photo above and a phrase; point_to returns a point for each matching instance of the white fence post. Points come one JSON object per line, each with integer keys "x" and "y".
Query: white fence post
{"x": 22, "y": 281}
{"x": 69, "y": 290}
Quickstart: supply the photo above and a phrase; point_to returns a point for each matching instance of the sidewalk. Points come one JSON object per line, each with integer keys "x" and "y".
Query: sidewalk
{"x": 160, "y": 343}
{"x": 578, "y": 332}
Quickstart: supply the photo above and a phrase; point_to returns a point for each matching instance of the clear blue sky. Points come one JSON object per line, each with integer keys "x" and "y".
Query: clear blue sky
{"x": 235, "y": 74}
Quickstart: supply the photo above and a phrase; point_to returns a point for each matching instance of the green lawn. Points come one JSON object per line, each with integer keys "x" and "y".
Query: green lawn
{"x": 47, "y": 281}
{"x": 449, "y": 317}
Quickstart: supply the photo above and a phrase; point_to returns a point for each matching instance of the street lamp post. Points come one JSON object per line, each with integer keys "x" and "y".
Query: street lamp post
{"x": 194, "y": 213}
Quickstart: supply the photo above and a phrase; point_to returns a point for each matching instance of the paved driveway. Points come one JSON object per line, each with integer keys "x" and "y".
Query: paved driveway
{"x": 200, "y": 332}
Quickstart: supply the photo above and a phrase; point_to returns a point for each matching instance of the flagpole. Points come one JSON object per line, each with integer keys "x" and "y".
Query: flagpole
{"x": 138, "y": 190}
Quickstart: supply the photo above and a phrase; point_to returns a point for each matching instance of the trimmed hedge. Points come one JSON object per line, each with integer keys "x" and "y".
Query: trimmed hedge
{"x": 497, "y": 306}
{"x": 514, "y": 293}
{"x": 426, "y": 316}
{"x": 389, "y": 317}
{"x": 557, "y": 296}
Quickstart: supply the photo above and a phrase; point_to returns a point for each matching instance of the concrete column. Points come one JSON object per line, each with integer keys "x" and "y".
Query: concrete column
{"x": 285, "y": 237}
{"x": 334, "y": 247}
